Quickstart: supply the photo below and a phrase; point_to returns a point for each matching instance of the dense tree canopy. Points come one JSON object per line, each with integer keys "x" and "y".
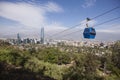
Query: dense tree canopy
{"x": 62, "y": 62}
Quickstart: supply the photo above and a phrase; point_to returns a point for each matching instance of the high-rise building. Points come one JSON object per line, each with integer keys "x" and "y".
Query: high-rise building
{"x": 42, "y": 35}
{"x": 18, "y": 39}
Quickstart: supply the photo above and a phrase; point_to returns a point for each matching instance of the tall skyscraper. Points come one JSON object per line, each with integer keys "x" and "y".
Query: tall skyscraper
{"x": 18, "y": 39}
{"x": 42, "y": 35}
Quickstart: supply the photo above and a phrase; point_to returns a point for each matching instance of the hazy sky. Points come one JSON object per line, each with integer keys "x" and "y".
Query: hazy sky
{"x": 28, "y": 16}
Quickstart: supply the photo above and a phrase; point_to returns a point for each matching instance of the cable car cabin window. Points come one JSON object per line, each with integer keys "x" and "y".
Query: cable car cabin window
{"x": 93, "y": 31}
{"x": 86, "y": 30}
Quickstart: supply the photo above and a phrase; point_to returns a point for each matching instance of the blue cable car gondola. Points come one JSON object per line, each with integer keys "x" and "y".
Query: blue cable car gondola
{"x": 89, "y": 33}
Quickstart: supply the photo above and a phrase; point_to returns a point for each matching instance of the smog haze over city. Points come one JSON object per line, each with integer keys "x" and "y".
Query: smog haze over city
{"x": 27, "y": 17}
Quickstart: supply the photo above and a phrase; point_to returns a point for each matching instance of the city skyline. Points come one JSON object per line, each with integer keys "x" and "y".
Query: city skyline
{"x": 28, "y": 16}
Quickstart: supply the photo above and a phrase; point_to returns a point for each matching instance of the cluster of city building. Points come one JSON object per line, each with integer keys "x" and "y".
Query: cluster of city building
{"x": 51, "y": 42}
{"x": 20, "y": 40}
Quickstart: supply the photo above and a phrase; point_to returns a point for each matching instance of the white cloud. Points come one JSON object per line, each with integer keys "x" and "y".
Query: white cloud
{"x": 30, "y": 17}
{"x": 24, "y": 13}
{"x": 107, "y": 31}
{"x": 112, "y": 29}
{"x": 50, "y": 6}
{"x": 54, "y": 26}
{"x": 88, "y": 3}
{"x": 28, "y": 14}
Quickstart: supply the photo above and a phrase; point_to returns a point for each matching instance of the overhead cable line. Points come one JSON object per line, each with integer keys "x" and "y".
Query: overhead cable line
{"x": 90, "y": 20}
{"x": 66, "y": 29}
{"x": 106, "y": 21}
{"x": 106, "y": 12}
{"x": 94, "y": 26}
{"x": 71, "y": 33}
